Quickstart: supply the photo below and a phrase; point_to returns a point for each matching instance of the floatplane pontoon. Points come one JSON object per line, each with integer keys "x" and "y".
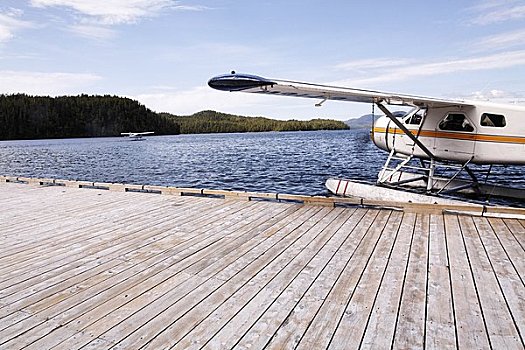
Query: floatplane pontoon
{"x": 438, "y": 146}
{"x": 137, "y": 136}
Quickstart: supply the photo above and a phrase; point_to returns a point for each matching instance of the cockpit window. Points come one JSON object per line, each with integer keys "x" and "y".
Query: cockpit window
{"x": 414, "y": 120}
{"x": 493, "y": 120}
{"x": 399, "y": 114}
{"x": 456, "y": 122}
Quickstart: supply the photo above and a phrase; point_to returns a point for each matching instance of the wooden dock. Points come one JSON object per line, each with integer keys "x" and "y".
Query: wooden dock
{"x": 98, "y": 269}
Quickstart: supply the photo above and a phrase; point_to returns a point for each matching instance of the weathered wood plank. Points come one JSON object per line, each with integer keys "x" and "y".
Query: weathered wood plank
{"x": 440, "y": 324}
{"x": 65, "y": 205}
{"x": 238, "y": 243}
{"x": 145, "y": 232}
{"x": 315, "y": 256}
{"x": 293, "y": 327}
{"x": 353, "y": 322}
{"x": 118, "y": 314}
{"x": 380, "y": 330}
{"x": 506, "y": 275}
{"x": 498, "y": 319}
{"x": 80, "y": 235}
{"x": 470, "y": 327}
{"x": 101, "y": 211}
{"x": 53, "y": 225}
{"x": 511, "y": 234}
{"x": 322, "y": 328}
{"x": 410, "y": 327}
{"x": 53, "y": 307}
{"x": 152, "y": 319}
{"x": 245, "y": 287}
{"x": 253, "y": 302}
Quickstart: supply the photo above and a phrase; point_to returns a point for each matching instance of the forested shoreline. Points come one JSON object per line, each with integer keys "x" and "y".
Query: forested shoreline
{"x": 216, "y": 122}
{"x": 38, "y": 117}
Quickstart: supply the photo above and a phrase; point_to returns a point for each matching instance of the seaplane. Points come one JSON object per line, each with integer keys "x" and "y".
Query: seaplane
{"x": 438, "y": 149}
{"x": 137, "y": 136}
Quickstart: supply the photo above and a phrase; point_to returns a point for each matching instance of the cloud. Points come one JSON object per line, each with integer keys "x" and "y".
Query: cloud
{"x": 204, "y": 98}
{"x": 491, "y": 94}
{"x": 190, "y": 8}
{"x": 374, "y": 63}
{"x": 38, "y": 83}
{"x": 197, "y": 99}
{"x": 92, "y": 31}
{"x": 10, "y": 24}
{"x": 490, "y": 12}
{"x": 496, "y": 96}
{"x": 94, "y": 18}
{"x": 501, "y": 41}
{"x": 413, "y": 70}
{"x": 113, "y": 12}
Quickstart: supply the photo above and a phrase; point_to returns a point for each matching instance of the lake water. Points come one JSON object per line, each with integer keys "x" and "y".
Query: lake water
{"x": 283, "y": 162}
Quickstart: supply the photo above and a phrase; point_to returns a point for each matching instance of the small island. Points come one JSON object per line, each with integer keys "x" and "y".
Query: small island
{"x": 40, "y": 117}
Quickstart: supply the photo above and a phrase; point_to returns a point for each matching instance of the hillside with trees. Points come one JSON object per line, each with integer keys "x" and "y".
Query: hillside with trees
{"x": 39, "y": 117}
{"x": 35, "y": 117}
{"x": 216, "y": 122}
{"x": 363, "y": 122}
{"x": 366, "y": 121}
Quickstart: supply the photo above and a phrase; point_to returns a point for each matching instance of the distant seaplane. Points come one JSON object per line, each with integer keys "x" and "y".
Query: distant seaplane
{"x": 137, "y": 136}
{"x": 431, "y": 147}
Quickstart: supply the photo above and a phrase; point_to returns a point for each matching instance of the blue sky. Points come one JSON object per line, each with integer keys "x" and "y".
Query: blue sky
{"x": 162, "y": 52}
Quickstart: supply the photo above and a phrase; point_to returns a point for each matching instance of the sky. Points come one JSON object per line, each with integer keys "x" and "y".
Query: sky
{"x": 163, "y": 52}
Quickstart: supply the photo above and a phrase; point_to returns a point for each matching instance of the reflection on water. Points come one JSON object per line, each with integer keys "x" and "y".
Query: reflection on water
{"x": 284, "y": 162}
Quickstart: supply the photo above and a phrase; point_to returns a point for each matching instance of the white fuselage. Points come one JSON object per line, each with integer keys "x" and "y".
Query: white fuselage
{"x": 485, "y": 133}
{"x": 136, "y": 137}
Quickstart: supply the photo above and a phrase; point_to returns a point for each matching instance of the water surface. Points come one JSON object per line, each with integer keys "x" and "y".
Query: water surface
{"x": 283, "y": 162}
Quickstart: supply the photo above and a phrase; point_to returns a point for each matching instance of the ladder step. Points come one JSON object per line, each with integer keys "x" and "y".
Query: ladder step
{"x": 399, "y": 157}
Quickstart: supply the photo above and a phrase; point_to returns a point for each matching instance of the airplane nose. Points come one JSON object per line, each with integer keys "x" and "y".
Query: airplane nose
{"x": 379, "y": 132}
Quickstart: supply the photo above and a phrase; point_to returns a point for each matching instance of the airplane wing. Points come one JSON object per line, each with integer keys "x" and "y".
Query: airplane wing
{"x": 256, "y": 84}
{"x": 137, "y": 133}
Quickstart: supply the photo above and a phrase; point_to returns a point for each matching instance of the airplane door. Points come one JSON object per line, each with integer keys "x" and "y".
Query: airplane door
{"x": 455, "y": 138}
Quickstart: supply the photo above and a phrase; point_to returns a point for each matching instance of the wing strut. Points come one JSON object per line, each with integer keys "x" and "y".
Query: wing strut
{"x": 384, "y": 109}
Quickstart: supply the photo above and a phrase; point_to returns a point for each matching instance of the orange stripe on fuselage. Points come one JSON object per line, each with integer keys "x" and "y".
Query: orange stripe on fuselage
{"x": 457, "y": 135}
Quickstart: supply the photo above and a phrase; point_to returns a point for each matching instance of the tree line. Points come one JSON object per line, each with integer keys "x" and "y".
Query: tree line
{"x": 31, "y": 117}
{"x": 216, "y": 122}
{"x": 35, "y": 117}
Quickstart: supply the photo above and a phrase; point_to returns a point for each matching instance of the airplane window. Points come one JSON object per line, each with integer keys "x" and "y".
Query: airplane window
{"x": 456, "y": 122}
{"x": 493, "y": 120}
{"x": 415, "y": 119}
{"x": 399, "y": 114}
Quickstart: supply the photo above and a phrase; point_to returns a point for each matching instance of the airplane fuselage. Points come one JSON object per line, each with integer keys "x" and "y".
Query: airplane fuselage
{"x": 484, "y": 133}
